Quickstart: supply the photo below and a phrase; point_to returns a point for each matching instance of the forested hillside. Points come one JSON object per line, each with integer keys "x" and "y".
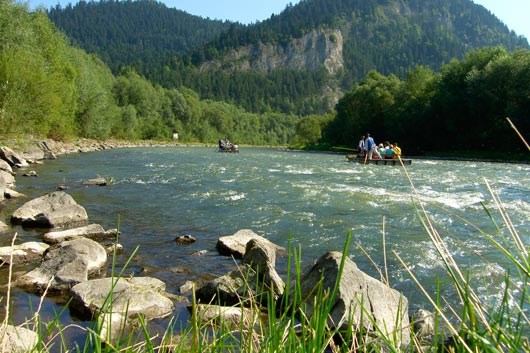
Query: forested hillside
{"x": 389, "y": 36}
{"x": 134, "y": 33}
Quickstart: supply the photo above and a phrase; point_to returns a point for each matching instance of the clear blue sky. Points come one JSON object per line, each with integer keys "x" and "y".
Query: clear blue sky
{"x": 514, "y": 13}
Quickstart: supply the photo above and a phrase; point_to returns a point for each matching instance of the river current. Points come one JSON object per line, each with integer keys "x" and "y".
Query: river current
{"x": 312, "y": 200}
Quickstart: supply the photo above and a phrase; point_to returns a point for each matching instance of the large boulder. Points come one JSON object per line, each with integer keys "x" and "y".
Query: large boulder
{"x": 370, "y": 304}
{"x": 235, "y": 245}
{"x": 261, "y": 257}
{"x": 17, "y": 339}
{"x": 23, "y": 253}
{"x": 92, "y": 231}
{"x": 38, "y": 151}
{"x": 66, "y": 265}
{"x": 53, "y": 210}
{"x": 131, "y": 297}
{"x": 13, "y": 158}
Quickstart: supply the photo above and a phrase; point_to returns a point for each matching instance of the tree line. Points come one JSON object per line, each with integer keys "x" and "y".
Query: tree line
{"x": 463, "y": 108}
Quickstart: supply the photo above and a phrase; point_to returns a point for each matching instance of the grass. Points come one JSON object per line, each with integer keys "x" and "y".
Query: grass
{"x": 284, "y": 326}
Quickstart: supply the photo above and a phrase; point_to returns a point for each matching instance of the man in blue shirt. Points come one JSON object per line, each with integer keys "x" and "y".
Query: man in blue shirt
{"x": 369, "y": 145}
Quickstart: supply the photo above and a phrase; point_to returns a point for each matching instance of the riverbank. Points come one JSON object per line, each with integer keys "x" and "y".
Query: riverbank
{"x": 314, "y": 198}
{"x": 29, "y": 147}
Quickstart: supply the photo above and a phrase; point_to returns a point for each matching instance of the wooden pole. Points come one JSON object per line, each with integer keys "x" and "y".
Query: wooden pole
{"x": 518, "y": 133}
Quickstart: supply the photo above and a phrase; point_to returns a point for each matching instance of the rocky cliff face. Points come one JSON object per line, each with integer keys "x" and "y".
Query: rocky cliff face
{"x": 317, "y": 49}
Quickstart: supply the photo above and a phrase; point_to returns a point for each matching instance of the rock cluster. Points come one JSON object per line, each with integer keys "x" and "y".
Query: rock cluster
{"x": 70, "y": 262}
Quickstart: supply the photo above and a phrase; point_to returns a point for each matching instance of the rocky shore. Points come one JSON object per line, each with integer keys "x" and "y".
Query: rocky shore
{"x": 72, "y": 261}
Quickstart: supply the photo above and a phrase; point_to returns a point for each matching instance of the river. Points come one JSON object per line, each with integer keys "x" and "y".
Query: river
{"x": 312, "y": 199}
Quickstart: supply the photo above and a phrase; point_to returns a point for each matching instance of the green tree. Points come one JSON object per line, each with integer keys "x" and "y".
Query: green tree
{"x": 97, "y": 112}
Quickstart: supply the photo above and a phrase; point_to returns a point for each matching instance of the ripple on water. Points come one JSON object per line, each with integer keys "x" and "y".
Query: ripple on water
{"x": 313, "y": 199}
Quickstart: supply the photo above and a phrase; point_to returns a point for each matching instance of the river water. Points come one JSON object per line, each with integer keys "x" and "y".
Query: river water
{"x": 314, "y": 200}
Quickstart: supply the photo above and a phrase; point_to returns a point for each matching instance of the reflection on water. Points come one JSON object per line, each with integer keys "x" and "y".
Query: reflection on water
{"x": 313, "y": 199}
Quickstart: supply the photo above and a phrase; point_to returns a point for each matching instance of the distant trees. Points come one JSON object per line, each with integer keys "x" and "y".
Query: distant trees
{"x": 463, "y": 108}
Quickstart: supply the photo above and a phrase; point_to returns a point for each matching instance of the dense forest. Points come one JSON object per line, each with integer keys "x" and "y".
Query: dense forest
{"x": 462, "y": 108}
{"x": 62, "y": 92}
{"x": 134, "y": 33}
{"x": 388, "y": 36}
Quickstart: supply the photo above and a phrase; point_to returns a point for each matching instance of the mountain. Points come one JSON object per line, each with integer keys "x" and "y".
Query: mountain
{"x": 134, "y": 33}
{"x": 300, "y": 61}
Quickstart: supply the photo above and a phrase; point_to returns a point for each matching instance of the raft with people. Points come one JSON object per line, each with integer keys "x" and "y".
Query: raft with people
{"x": 383, "y": 154}
{"x": 226, "y": 146}
{"x": 231, "y": 149}
{"x": 382, "y": 161}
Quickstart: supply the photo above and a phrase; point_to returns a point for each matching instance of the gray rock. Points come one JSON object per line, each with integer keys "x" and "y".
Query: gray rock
{"x": 66, "y": 265}
{"x": 360, "y": 298}
{"x": 7, "y": 180}
{"x": 13, "y": 158}
{"x": 235, "y": 288}
{"x": 100, "y": 181}
{"x": 114, "y": 248}
{"x": 6, "y": 167}
{"x": 423, "y": 323}
{"x": 30, "y": 173}
{"x": 227, "y": 316}
{"x": 187, "y": 288}
{"x": 254, "y": 279}
{"x": 130, "y": 297}
{"x": 261, "y": 257}
{"x": 235, "y": 245}
{"x": 92, "y": 231}
{"x": 225, "y": 290}
{"x": 12, "y": 194}
{"x": 2, "y": 187}
{"x": 185, "y": 239}
{"x": 23, "y": 253}
{"x": 38, "y": 151}
{"x": 320, "y": 48}
{"x": 17, "y": 339}
{"x": 54, "y": 210}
